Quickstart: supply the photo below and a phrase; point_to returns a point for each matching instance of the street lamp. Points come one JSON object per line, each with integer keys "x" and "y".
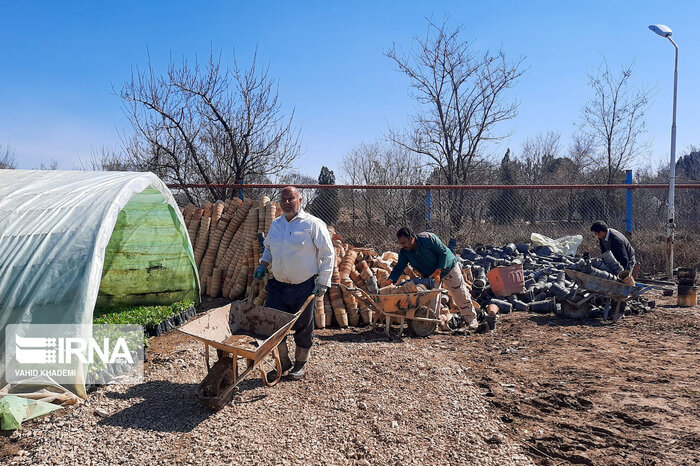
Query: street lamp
{"x": 665, "y": 31}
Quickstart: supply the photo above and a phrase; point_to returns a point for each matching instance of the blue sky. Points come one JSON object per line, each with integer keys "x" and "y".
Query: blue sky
{"x": 60, "y": 60}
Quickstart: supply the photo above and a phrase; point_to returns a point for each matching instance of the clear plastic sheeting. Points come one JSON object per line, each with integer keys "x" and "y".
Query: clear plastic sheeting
{"x": 566, "y": 245}
{"x": 68, "y": 236}
{"x": 15, "y": 410}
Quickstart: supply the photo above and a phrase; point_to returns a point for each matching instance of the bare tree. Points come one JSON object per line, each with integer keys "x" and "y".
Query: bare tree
{"x": 208, "y": 124}
{"x": 461, "y": 96}
{"x": 615, "y": 119}
{"x": 383, "y": 164}
{"x": 7, "y": 157}
{"x": 539, "y": 154}
{"x": 105, "y": 159}
{"x": 50, "y": 165}
{"x": 581, "y": 152}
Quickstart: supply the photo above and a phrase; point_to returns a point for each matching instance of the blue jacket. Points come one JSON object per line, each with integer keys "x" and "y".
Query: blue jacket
{"x": 430, "y": 255}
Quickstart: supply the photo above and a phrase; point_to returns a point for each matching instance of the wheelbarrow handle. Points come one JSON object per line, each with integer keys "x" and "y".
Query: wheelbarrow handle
{"x": 303, "y": 306}
{"x": 364, "y": 296}
{"x": 252, "y": 288}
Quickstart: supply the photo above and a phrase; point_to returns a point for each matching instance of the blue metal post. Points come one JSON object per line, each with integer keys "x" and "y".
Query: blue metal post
{"x": 240, "y": 191}
{"x": 628, "y": 216}
{"x": 427, "y": 209}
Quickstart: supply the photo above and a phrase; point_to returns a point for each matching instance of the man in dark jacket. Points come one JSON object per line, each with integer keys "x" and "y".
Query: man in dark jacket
{"x": 613, "y": 240}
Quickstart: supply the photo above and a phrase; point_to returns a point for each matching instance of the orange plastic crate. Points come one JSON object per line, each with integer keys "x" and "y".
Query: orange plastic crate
{"x": 505, "y": 281}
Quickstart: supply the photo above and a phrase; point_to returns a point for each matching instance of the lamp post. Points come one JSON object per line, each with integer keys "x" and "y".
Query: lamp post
{"x": 665, "y": 31}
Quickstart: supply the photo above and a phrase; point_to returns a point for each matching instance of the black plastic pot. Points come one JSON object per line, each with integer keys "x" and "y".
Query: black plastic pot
{"x": 153, "y": 330}
{"x": 489, "y": 262}
{"x": 469, "y": 254}
{"x": 491, "y": 322}
{"x": 116, "y": 369}
{"x": 504, "y": 307}
{"x": 523, "y": 248}
{"x": 686, "y": 276}
{"x": 510, "y": 249}
{"x": 613, "y": 265}
{"x": 559, "y": 291}
{"x": 526, "y": 296}
{"x": 479, "y": 276}
{"x": 561, "y": 277}
{"x": 543, "y": 306}
{"x": 598, "y": 263}
{"x": 497, "y": 253}
{"x": 167, "y": 325}
{"x": 519, "y": 305}
{"x": 602, "y": 274}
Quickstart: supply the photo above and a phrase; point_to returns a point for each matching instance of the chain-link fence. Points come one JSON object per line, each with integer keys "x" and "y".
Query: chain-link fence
{"x": 370, "y": 215}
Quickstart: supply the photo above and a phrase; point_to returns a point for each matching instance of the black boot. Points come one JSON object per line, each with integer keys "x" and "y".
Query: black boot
{"x": 284, "y": 359}
{"x": 301, "y": 355}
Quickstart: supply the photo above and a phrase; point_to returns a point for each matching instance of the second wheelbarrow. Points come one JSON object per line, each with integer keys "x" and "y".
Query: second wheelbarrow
{"x": 239, "y": 331}
{"x": 421, "y": 309}
{"x": 610, "y": 290}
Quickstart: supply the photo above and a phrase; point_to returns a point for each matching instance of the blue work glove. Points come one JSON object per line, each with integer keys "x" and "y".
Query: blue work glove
{"x": 259, "y": 271}
{"x": 320, "y": 290}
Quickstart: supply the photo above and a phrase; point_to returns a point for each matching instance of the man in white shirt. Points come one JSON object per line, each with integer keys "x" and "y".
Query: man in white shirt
{"x": 299, "y": 248}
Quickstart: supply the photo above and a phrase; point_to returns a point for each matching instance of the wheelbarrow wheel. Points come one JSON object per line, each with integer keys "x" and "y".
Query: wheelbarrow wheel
{"x": 421, "y": 328}
{"x": 217, "y": 383}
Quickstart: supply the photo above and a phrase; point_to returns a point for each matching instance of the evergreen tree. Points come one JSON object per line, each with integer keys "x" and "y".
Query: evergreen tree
{"x": 506, "y": 205}
{"x": 326, "y": 204}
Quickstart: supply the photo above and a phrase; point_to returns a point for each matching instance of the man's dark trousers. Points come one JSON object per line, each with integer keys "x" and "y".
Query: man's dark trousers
{"x": 289, "y": 298}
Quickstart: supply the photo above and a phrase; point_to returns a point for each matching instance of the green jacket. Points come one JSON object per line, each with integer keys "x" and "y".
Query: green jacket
{"x": 430, "y": 255}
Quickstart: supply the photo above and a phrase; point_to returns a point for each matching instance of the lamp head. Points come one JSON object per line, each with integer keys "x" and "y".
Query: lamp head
{"x": 661, "y": 29}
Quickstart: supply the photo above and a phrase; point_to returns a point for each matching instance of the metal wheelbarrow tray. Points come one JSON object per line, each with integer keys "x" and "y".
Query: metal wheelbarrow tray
{"x": 239, "y": 330}
{"x": 608, "y": 289}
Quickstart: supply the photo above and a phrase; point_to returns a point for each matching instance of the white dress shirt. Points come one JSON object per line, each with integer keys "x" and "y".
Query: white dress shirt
{"x": 299, "y": 249}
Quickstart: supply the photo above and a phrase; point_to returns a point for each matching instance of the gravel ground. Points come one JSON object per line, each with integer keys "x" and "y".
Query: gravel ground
{"x": 539, "y": 389}
{"x": 365, "y": 400}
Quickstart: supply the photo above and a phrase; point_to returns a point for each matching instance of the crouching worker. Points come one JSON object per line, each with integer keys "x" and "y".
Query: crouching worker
{"x": 429, "y": 256}
{"x": 612, "y": 240}
{"x": 298, "y": 247}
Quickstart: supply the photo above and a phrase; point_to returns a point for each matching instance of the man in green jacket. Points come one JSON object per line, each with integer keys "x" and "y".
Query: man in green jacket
{"x": 429, "y": 257}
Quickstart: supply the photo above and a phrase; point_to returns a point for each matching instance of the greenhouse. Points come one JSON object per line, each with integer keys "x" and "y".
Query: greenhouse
{"x": 71, "y": 240}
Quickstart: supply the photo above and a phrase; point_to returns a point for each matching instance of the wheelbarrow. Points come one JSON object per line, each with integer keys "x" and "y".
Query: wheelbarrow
{"x": 239, "y": 331}
{"x": 421, "y": 309}
{"x": 610, "y": 290}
